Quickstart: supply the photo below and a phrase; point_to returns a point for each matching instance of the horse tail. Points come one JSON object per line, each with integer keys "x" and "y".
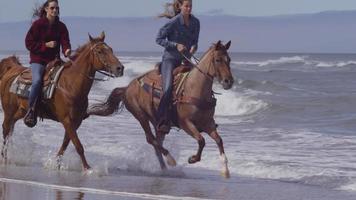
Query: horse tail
{"x": 113, "y": 103}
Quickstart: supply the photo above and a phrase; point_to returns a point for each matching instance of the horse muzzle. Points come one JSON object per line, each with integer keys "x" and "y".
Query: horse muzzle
{"x": 227, "y": 83}
{"x": 120, "y": 71}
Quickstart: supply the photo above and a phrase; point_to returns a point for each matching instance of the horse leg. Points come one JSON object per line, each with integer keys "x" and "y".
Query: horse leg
{"x": 152, "y": 141}
{"x": 160, "y": 138}
{"x": 73, "y": 136}
{"x": 215, "y": 136}
{"x": 150, "y": 138}
{"x": 7, "y": 127}
{"x": 61, "y": 151}
{"x": 190, "y": 128}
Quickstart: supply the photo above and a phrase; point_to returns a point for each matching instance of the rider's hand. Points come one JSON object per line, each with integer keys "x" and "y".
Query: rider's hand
{"x": 193, "y": 49}
{"x": 67, "y": 53}
{"x": 51, "y": 44}
{"x": 181, "y": 48}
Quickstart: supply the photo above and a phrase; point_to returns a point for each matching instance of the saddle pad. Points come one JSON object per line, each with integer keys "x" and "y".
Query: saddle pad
{"x": 23, "y": 90}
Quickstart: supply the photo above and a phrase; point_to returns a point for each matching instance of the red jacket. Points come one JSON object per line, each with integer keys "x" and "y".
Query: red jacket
{"x": 40, "y": 33}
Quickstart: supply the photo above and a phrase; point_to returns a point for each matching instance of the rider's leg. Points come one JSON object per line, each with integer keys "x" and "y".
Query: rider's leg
{"x": 37, "y": 74}
{"x": 167, "y": 81}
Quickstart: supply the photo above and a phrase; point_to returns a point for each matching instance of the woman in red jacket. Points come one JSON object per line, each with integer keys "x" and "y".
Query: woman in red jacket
{"x": 43, "y": 40}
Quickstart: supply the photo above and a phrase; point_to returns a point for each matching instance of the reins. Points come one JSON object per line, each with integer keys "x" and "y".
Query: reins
{"x": 196, "y": 66}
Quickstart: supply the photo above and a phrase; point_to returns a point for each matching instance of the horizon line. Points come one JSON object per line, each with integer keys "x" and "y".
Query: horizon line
{"x": 198, "y": 14}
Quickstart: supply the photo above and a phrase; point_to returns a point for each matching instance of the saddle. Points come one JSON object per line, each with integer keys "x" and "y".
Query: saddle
{"x": 152, "y": 82}
{"x": 22, "y": 83}
{"x": 26, "y": 76}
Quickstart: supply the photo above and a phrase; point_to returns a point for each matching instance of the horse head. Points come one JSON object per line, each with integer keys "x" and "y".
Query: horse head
{"x": 104, "y": 58}
{"x": 219, "y": 66}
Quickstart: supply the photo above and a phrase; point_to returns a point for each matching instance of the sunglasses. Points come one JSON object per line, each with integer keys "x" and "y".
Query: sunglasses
{"x": 52, "y": 8}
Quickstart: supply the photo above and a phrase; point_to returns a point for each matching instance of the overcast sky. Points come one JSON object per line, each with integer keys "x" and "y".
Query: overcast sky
{"x": 18, "y": 10}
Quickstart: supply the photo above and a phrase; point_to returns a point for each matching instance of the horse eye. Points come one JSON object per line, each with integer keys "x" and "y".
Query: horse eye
{"x": 218, "y": 60}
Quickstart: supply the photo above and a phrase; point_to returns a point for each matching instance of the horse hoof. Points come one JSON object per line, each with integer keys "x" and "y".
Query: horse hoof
{"x": 193, "y": 159}
{"x": 170, "y": 160}
{"x": 59, "y": 162}
{"x": 88, "y": 172}
{"x": 225, "y": 174}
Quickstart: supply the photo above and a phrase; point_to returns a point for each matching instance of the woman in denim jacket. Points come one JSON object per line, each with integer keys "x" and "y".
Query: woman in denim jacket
{"x": 179, "y": 36}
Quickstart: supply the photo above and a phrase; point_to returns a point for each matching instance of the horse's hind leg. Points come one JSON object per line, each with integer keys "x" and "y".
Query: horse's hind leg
{"x": 159, "y": 149}
{"x": 7, "y": 127}
{"x": 190, "y": 128}
{"x": 215, "y": 136}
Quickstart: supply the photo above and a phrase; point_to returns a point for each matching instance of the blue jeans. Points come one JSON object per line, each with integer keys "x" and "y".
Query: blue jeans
{"x": 167, "y": 68}
{"x": 36, "y": 88}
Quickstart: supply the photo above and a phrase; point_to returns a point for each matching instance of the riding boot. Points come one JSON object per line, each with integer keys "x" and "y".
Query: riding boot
{"x": 164, "y": 122}
{"x": 30, "y": 118}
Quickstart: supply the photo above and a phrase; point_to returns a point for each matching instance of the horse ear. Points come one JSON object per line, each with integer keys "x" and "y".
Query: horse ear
{"x": 227, "y": 45}
{"x": 102, "y": 36}
{"x": 218, "y": 45}
{"x": 90, "y": 37}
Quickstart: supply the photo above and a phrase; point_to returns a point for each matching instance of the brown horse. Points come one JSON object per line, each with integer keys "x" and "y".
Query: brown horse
{"x": 70, "y": 100}
{"x": 194, "y": 106}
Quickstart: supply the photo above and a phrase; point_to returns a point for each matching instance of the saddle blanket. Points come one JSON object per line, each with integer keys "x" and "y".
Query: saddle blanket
{"x": 23, "y": 90}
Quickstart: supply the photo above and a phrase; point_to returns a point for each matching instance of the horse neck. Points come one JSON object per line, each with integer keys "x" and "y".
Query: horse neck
{"x": 81, "y": 71}
{"x": 198, "y": 84}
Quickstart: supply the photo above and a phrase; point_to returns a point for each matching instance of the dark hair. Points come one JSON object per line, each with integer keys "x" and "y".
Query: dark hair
{"x": 172, "y": 9}
{"x": 39, "y": 11}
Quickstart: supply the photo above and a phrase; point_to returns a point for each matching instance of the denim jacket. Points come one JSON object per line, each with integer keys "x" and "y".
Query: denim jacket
{"x": 174, "y": 31}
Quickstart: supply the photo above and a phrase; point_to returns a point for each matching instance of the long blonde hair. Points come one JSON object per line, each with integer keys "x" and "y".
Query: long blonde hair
{"x": 172, "y": 9}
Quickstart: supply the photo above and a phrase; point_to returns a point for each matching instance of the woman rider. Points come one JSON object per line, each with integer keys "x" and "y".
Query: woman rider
{"x": 178, "y": 36}
{"x": 43, "y": 40}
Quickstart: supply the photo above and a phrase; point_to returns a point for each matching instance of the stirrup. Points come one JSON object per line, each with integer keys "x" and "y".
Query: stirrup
{"x": 30, "y": 118}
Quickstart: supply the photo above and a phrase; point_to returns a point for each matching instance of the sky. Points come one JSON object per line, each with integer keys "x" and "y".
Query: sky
{"x": 20, "y": 10}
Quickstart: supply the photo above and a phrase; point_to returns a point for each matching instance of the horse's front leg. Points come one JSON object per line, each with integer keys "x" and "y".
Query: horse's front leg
{"x": 216, "y": 137}
{"x": 73, "y": 136}
{"x": 61, "y": 151}
{"x": 190, "y": 128}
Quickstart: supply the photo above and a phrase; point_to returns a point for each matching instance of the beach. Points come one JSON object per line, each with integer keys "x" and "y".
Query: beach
{"x": 29, "y": 183}
{"x": 287, "y": 126}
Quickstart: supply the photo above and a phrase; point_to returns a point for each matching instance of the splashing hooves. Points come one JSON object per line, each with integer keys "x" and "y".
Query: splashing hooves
{"x": 170, "y": 160}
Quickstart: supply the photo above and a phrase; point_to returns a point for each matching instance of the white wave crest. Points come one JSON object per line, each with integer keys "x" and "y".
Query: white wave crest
{"x": 233, "y": 104}
{"x": 279, "y": 61}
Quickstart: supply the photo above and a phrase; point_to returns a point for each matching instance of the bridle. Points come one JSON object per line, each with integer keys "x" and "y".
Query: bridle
{"x": 209, "y": 76}
{"x": 101, "y": 60}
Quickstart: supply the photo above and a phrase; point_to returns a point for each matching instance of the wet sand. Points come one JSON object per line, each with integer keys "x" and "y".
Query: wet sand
{"x": 17, "y": 182}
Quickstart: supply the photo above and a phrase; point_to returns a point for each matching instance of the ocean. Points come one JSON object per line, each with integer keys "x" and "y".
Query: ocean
{"x": 288, "y": 122}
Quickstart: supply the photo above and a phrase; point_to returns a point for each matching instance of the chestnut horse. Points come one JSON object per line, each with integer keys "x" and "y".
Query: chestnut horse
{"x": 194, "y": 107}
{"x": 70, "y": 100}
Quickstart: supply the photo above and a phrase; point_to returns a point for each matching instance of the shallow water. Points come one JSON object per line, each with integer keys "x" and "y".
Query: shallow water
{"x": 289, "y": 118}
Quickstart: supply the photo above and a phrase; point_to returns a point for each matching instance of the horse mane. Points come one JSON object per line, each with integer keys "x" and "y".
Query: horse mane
{"x": 213, "y": 46}
{"x": 78, "y": 51}
{"x": 81, "y": 48}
